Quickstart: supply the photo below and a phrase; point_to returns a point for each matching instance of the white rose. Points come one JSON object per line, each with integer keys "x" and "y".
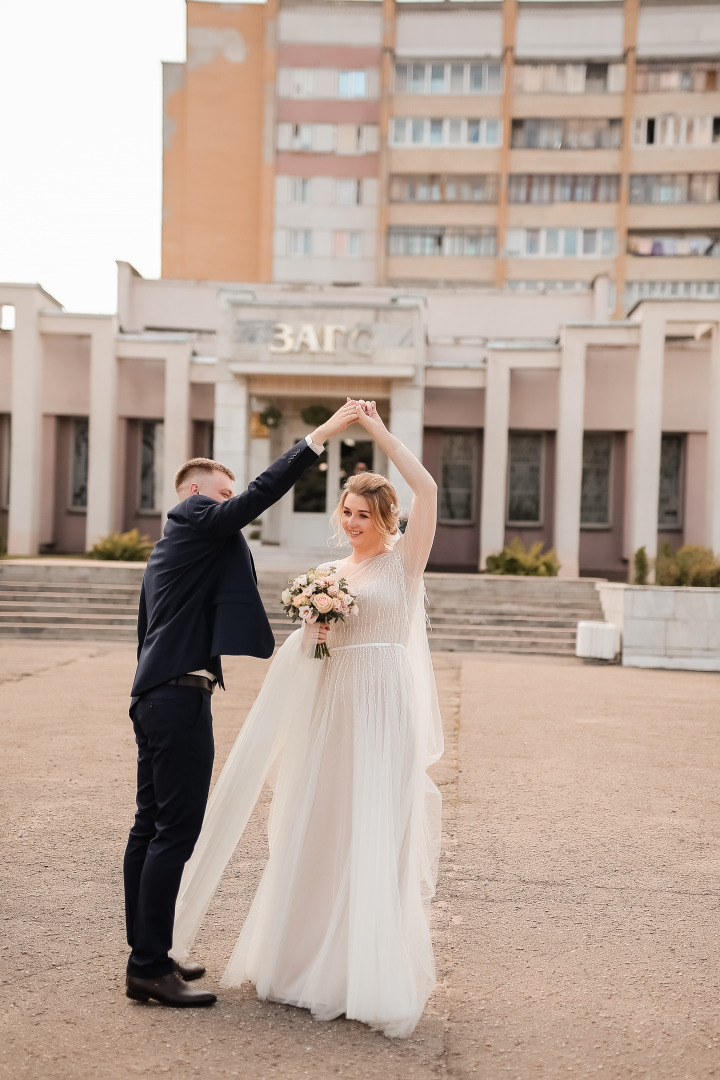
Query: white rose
{"x": 286, "y": 597}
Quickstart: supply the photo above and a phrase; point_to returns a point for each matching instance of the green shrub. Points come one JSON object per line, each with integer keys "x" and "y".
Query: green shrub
{"x": 515, "y": 558}
{"x": 691, "y": 565}
{"x": 315, "y": 415}
{"x": 122, "y": 547}
{"x": 641, "y": 567}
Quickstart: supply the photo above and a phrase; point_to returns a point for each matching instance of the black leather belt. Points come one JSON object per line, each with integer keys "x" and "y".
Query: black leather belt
{"x": 194, "y": 680}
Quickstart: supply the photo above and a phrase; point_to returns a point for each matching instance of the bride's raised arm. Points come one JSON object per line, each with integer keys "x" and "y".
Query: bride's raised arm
{"x": 416, "y": 542}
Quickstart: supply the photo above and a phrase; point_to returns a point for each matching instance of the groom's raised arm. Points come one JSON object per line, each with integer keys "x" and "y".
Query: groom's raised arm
{"x": 225, "y": 518}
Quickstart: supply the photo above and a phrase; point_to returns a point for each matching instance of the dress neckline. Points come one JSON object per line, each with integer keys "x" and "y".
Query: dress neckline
{"x": 380, "y": 555}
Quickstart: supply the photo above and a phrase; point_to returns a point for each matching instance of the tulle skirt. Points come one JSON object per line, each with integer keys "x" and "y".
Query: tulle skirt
{"x": 339, "y": 923}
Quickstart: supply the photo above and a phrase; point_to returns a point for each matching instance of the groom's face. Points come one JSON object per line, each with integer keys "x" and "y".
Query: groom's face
{"x": 215, "y": 485}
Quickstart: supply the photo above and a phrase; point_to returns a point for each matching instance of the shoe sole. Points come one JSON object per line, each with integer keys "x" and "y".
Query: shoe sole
{"x": 170, "y": 1004}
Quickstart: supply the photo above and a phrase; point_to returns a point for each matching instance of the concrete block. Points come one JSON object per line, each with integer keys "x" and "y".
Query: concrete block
{"x": 597, "y": 640}
{"x": 645, "y": 634}
{"x": 650, "y": 602}
{"x": 697, "y": 603}
{"x": 688, "y": 634}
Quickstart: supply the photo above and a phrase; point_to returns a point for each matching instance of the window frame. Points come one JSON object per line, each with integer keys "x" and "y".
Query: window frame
{"x": 599, "y": 526}
{"x": 457, "y": 523}
{"x": 679, "y": 526}
{"x": 540, "y": 523}
{"x": 146, "y": 511}
{"x": 72, "y": 507}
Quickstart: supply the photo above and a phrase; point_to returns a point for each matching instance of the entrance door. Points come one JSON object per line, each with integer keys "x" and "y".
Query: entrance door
{"x": 308, "y": 508}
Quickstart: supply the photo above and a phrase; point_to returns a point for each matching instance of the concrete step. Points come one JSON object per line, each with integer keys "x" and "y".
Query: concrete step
{"x": 57, "y": 632}
{"x": 453, "y": 643}
{"x": 68, "y": 606}
{"x": 65, "y": 618}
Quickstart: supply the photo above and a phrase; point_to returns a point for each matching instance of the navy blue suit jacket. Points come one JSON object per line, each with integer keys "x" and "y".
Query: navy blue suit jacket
{"x": 199, "y": 595}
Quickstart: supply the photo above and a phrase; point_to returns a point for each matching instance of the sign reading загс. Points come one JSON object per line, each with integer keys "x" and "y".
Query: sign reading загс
{"x": 321, "y": 339}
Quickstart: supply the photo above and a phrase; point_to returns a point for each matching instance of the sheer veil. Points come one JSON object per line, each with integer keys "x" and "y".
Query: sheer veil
{"x": 280, "y": 719}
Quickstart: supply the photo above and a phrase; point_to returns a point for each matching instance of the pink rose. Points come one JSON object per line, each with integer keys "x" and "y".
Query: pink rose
{"x": 323, "y": 603}
{"x": 333, "y": 590}
{"x": 338, "y": 605}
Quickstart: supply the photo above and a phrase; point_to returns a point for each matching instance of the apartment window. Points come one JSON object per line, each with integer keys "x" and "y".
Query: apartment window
{"x": 553, "y": 242}
{"x": 525, "y": 467}
{"x": 80, "y": 430}
{"x": 300, "y": 190}
{"x": 352, "y": 84}
{"x": 457, "y": 481}
{"x": 437, "y": 240}
{"x": 300, "y": 242}
{"x": 675, "y": 188}
{"x": 302, "y": 82}
{"x": 482, "y": 189}
{"x": 569, "y": 78}
{"x": 348, "y": 244}
{"x": 450, "y": 132}
{"x": 580, "y": 134}
{"x": 691, "y": 131}
{"x": 302, "y": 137}
{"x": 458, "y": 78}
{"x": 657, "y": 77}
{"x": 151, "y": 465}
{"x": 670, "y": 515}
{"x": 596, "y": 479}
{"x": 674, "y": 244}
{"x": 349, "y": 192}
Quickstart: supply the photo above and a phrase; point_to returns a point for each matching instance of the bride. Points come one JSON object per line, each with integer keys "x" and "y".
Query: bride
{"x": 339, "y": 923}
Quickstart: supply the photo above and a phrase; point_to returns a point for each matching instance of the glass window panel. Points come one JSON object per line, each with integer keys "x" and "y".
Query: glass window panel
{"x": 418, "y": 131}
{"x": 79, "y": 465}
{"x": 570, "y": 239}
{"x": 355, "y": 457}
{"x": 494, "y": 78}
{"x": 473, "y": 131}
{"x": 310, "y": 489}
{"x": 518, "y": 189}
{"x": 589, "y": 241}
{"x": 401, "y": 76}
{"x": 595, "y": 489}
{"x": 532, "y": 241}
{"x": 399, "y": 131}
{"x": 670, "y": 500}
{"x": 492, "y": 132}
{"x": 455, "y": 132}
{"x": 437, "y": 78}
{"x": 476, "y": 78}
{"x": 418, "y": 79}
{"x": 457, "y": 473}
{"x": 552, "y": 242}
{"x": 524, "y": 479}
{"x": 436, "y": 132}
{"x": 457, "y": 78}
{"x": 151, "y": 464}
{"x": 515, "y": 241}
{"x": 607, "y": 241}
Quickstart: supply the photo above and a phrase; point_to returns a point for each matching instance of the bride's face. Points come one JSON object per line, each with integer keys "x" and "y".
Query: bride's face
{"x": 358, "y": 524}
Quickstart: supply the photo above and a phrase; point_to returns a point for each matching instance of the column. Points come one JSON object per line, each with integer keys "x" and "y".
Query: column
{"x": 568, "y": 457}
{"x": 406, "y": 424}
{"x": 231, "y": 428}
{"x": 495, "y": 456}
{"x": 713, "y": 445}
{"x": 645, "y": 468}
{"x": 176, "y": 418}
{"x": 26, "y": 426}
{"x": 103, "y": 432}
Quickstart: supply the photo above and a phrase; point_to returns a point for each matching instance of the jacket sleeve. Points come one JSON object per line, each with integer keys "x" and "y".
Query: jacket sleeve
{"x": 142, "y": 621}
{"x": 224, "y": 519}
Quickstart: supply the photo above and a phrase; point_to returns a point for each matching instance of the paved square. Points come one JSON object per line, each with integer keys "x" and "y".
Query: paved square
{"x": 576, "y": 923}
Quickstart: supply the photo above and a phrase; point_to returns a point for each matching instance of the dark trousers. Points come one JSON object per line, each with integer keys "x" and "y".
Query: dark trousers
{"x": 173, "y": 731}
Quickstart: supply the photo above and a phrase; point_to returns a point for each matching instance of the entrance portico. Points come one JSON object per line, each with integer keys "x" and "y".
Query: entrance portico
{"x": 286, "y": 356}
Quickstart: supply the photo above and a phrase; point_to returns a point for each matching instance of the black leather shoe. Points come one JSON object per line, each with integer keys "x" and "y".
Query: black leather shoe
{"x": 189, "y": 971}
{"x": 168, "y": 990}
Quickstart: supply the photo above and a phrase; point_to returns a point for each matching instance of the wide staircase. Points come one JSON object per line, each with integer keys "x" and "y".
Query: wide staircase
{"x": 84, "y": 601}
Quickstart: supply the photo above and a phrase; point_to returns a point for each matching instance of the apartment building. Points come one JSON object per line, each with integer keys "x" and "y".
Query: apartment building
{"x": 524, "y": 144}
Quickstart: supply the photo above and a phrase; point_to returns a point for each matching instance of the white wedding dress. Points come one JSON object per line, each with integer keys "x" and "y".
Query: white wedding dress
{"x": 339, "y": 923}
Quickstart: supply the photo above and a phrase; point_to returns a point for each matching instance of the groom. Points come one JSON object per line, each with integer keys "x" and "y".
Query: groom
{"x": 199, "y": 599}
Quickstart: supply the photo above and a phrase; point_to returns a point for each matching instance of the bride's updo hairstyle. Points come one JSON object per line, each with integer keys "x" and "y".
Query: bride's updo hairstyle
{"x": 382, "y": 500}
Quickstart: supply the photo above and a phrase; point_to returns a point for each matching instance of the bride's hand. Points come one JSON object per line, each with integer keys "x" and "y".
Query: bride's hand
{"x": 368, "y": 416}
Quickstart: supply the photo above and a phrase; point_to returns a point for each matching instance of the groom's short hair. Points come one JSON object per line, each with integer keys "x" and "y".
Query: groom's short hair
{"x": 199, "y": 466}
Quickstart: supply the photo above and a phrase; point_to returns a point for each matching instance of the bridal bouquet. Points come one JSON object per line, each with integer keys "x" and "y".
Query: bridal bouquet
{"x": 319, "y": 597}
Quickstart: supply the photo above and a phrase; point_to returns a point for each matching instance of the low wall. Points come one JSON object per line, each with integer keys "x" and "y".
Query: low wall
{"x": 665, "y": 627}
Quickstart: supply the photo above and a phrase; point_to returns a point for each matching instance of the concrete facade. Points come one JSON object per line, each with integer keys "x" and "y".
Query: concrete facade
{"x": 507, "y": 143}
{"x": 539, "y": 417}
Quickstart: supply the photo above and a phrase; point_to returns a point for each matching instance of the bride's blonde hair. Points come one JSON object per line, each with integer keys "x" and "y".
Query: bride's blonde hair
{"x": 383, "y": 502}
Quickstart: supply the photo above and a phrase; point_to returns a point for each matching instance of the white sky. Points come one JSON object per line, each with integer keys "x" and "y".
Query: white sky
{"x": 81, "y": 141}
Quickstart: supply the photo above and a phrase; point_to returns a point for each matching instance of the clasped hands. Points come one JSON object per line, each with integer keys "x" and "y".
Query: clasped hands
{"x": 353, "y": 411}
